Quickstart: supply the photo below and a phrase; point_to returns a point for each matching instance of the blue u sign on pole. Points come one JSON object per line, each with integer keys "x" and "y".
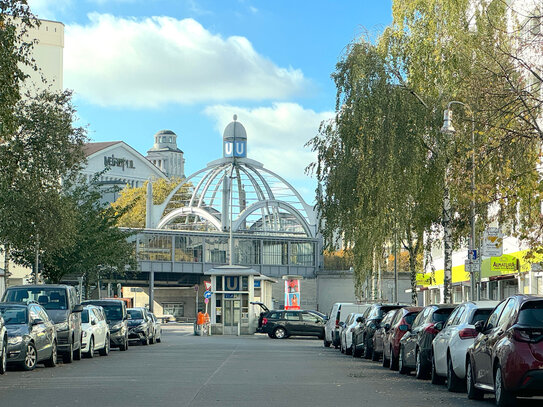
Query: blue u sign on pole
{"x": 207, "y": 294}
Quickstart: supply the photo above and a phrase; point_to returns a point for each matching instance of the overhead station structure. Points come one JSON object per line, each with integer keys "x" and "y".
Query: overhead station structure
{"x": 232, "y": 212}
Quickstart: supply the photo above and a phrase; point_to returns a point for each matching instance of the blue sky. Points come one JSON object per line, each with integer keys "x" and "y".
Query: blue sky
{"x": 140, "y": 66}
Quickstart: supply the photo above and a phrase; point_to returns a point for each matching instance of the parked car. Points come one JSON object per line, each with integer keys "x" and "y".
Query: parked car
{"x": 506, "y": 358}
{"x": 95, "y": 331}
{"x": 339, "y": 313}
{"x": 31, "y": 334}
{"x": 282, "y": 324}
{"x": 381, "y": 333}
{"x": 3, "y": 346}
{"x": 157, "y": 329}
{"x": 450, "y": 346}
{"x": 61, "y": 304}
{"x": 399, "y": 326}
{"x": 116, "y": 317}
{"x": 416, "y": 344}
{"x": 139, "y": 326}
{"x": 346, "y": 333}
{"x": 363, "y": 333}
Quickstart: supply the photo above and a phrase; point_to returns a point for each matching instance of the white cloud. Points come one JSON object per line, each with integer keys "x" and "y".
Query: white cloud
{"x": 276, "y": 135}
{"x": 145, "y": 63}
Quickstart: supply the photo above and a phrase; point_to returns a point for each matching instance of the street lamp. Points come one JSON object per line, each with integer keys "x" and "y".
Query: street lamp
{"x": 448, "y": 128}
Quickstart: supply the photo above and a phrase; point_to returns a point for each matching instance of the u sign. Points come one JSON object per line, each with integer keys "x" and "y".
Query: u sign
{"x": 235, "y": 149}
{"x": 231, "y": 283}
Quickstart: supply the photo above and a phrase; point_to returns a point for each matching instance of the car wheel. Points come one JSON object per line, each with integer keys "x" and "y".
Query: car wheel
{"x": 271, "y": 336}
{"x": 159, "y": 339}
{"x": 454, "y": 383}
{"x": 375, "y": 356}
{"x": 435, "y": 378}
{"x": 77, "y": 353}
{"x": 152, "y": 340}
{"x": 31, "y": 357}
{"x": 124, "y": 346}
{"x": 393, "y": 360}
{"x": 349, "y": 350}
{"x": 504, "y": 397}
{"x": 326, "y": 343}
{"x": 105, "y": 350}
{"x": 145, "y": 341}
{"x": 341, "y": 347}
{"x": 473, "y": 393}
{"x": 367, "y": 350}
{"x": 280, "y": 332}
{"x": 90, "y": 353}
{"x": 421, "y": 372}
{"x": 4, "y": 360}
{"x": 52, "y": 361}
{"x": 69, "y": 356}
{"x": 401, "y": 363}
{"x": 386, "y": 361}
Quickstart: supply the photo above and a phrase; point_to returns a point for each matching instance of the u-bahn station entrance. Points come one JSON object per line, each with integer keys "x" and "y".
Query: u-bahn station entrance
{"x": 232, "y": 212}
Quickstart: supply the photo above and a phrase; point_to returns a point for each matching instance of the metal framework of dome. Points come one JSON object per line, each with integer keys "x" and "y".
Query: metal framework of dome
{"x": 235, "y": 193}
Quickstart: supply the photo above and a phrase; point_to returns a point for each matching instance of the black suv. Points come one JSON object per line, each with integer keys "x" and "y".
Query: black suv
{"x": 62, "y": 305}
{"x": 282, "y": 324}
{"x": 117, "y": 318}
{"x": 139, "y": 325}
{"x": 363, "y": 333}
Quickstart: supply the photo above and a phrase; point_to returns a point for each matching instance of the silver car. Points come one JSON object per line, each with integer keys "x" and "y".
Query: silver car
{"x": 157, "y": 329}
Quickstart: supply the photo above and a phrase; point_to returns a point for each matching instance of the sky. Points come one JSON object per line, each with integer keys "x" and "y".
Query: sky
{"x": 140, "y": 66}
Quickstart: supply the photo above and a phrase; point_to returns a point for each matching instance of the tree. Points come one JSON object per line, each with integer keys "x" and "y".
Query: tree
{"x": 98, "y": 248}
{"x": 132, "y": 201}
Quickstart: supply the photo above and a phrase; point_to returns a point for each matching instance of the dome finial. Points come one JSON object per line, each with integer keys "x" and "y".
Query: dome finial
{"x": 235, "y": 117}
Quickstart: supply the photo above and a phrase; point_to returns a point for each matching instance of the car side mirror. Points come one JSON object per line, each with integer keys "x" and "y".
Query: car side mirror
{"x": 480, "y": 326}
{"x": 37, "y": 321}
{"x": 78, "y": 308}
{"x": 342, "y": 324}
{"x": 360, "y": 319}
{"x": 387, "y": 327}
{"x": 403, "y": 328}
{"x": 93, "y": 322}
{"x": 438, "y": 326}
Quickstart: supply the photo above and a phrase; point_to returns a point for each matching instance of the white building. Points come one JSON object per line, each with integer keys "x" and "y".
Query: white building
{"x": 120, "y": 165}
{"x": 166, "y": 155}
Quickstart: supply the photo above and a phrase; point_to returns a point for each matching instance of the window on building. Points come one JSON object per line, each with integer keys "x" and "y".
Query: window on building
{"x": 188, "y": 248}
{"x": 155, "y": 247}
{"x": 173, "y": 308}
{"x": 216, "y": 249}
{"x": 275, "y": 252}
{"x": 246, "y": 251}
{"x": 301, "y": 253}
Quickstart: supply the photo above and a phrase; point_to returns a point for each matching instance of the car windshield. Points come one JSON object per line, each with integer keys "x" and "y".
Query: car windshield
{"x": 409, "y": 318}
{"x": 531, "y": 314}
{"x": 14, "y": 316}
{"x": 48, "y": 298}
{"x": 85, "y": 316}
{"x": 442, "y": 314}
{"x": 480, "y": 315}
{"x": 135, "y": 314}
{"x": 113, "y": 312}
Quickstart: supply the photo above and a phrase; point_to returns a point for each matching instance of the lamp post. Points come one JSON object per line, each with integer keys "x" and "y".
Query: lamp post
{"x": 448, "y": 128}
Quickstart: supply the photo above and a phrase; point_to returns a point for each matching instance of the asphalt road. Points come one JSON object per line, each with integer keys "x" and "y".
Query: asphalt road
{"x": 185, "y": 370}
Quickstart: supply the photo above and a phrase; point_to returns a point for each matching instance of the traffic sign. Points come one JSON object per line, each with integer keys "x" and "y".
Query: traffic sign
{"x": 207, "y": 285}
{"x": 472, "y": 254}
{"x": 493, "y": 242}
{"x": 196, "y": 288}
{"x": 472, "y": 266}
{"x": 207, "y": 294}
{"x": 206, "y": 300}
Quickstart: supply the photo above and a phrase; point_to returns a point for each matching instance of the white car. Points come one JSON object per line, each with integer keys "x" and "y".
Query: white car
{"x": 339, "y": 313}
{"x": 346, "y": 333}
{"x": 94, "y": 331}
{"x": 451, "y": 343}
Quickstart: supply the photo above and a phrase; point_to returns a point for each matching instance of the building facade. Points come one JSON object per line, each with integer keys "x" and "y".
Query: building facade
{"x": 166, "y": 155}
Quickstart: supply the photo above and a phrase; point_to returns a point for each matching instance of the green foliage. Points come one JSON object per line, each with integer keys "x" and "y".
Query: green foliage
{"x": 131, "y": 204}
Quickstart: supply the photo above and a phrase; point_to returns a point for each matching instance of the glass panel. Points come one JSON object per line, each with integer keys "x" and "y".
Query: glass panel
{"x": 188, "y": 248}
{"x": 301, "y": 253}
{"x": 532, "y": 314}
{"x": 275, "y": 252}
{"x": 246, "y": 251}
{"x": 218, "y": 282}
{"x": 155, "y": 247}
{"x": 216, "y": 249}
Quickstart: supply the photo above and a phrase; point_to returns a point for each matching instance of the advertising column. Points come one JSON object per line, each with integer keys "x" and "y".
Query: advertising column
{"x": 292, "y": 293}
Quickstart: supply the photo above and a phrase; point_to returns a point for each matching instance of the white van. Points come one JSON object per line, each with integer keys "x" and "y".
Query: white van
{"x": 339, "y": 313}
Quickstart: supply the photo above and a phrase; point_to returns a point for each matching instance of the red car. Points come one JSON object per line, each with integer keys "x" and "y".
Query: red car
{"x": 507, "y": 355}
{"x": 398, "y": 327}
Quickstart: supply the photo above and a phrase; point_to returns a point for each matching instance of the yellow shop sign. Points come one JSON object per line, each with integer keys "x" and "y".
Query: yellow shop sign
{"x": 504, "y": 264}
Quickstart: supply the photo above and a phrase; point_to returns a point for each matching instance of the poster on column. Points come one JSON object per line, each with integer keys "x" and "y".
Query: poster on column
{"x": 292, "y": 294}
